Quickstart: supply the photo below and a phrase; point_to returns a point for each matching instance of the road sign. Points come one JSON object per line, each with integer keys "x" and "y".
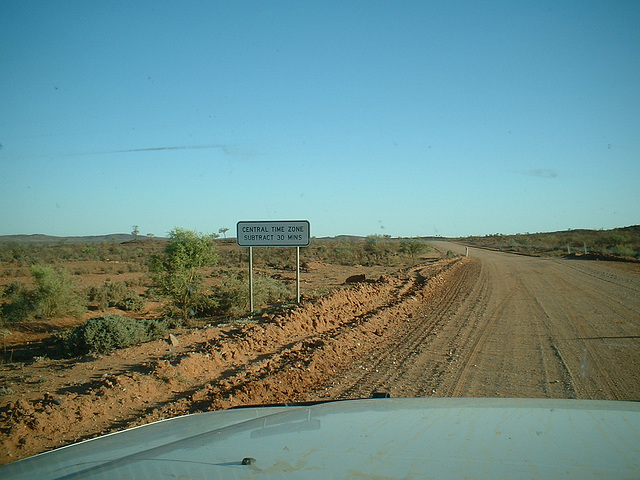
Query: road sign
{"x": 267, "y": 233}
{"x": 286, "y": 233}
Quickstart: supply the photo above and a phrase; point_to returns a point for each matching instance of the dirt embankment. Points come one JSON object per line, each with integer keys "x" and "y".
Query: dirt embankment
{"x": 492, "y": 324}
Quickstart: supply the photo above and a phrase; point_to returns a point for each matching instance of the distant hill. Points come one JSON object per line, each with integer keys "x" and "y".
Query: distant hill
{"x": 52, "y": 240}
{"x": 624, "y": 236}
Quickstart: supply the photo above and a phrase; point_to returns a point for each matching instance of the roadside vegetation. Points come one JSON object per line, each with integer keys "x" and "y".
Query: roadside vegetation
{"x": 118, "y": 295}
{"x": 54, "y": 294}
{"x": 102, "y": 335}
{"x": 372, "y": 250}
{"x": 232, "y": 297}
{"x": 177, "y": 274}
{"x": 150, "y": 285}
{"x": 615, "y": 244}
{"x": 192, "y": 278}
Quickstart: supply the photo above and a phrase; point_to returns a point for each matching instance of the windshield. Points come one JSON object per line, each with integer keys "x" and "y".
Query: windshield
{"x": 208, "y": 205}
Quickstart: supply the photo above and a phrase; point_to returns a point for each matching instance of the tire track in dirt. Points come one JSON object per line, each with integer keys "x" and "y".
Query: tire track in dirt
{"x": 608, "y": 273}
{"x": 551, "y": 378}
{"x": 509, "y": 325}
{"x": 559, "y": 332}
{"x": 471, "y": 346}
{"x": 508, "y": 356}
{"x": 392, "y": 361}
{"x": 590, "y": 368}
{"x": 558, "y": 382}
{"x": 435, "y": 356}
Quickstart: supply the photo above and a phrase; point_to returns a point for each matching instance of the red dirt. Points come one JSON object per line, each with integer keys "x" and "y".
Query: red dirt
{"x": 493, "y": 324}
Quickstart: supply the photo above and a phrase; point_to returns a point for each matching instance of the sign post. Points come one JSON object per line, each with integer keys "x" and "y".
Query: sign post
{"x": 297, "y": 274}
{"x": 268, "y": 233}
{"x": 251, "y": 279}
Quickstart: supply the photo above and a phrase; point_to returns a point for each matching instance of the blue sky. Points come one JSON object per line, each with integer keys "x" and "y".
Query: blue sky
{"x": 399, "y": 118}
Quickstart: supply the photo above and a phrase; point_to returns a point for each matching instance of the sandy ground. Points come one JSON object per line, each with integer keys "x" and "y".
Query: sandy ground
{"x": 491, "y": 325}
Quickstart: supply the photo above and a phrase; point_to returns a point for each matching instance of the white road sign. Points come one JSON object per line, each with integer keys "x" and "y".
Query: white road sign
{"x": 285, "y": 233}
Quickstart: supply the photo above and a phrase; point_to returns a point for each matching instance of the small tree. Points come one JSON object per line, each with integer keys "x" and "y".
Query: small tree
{"x": 135, "y": 233}
{"x": 224, "y": 231}
{"x": 377, "y": 249}
{"x": 177, "y": 275}
{"x": 414, "y": 247}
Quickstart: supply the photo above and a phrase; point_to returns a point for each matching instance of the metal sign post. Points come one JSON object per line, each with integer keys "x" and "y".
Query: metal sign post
{"x": 251, "y": 279}
{"x": 298, "y": 274}
{"x": 287, "y": 233}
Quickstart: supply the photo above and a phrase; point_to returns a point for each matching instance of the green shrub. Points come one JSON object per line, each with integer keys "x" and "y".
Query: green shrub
{"x": 346, "y": 253}
{"x": 623, "y": 251}
{"x": 55, "y": 292}
{"x": 20, "y": 302}
{"x": 232, "y": 298}
{"x": 414, "y": 247}
{"x": 54, "y": 295}
{"x": 104, "y": 334}
{"x": 107, "y": 294}
{"x": 90, "y": 252}
{"x": 116, "y": 294}
{"x": 177, "y": 275}
{"x": 131, "y": 302}
{"x": 268, "y": 290}
{"x": 275, "y": 257}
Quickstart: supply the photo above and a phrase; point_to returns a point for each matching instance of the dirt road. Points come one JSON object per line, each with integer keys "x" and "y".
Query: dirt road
{"x": 515, "y": 326}
{"x": 492, "y": 324}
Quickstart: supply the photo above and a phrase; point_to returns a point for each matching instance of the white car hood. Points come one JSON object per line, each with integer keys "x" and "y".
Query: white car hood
{"x": 374, "y": 438}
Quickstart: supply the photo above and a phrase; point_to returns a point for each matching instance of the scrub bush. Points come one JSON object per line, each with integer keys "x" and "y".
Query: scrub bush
{"x": 54, "y": 295}
{"x": 232, "y": 297}
{"x": 20, "y": 302}
{"x": 131, "y": 302}
{"x": 414, "y": 247}
{"x": 178, "y": 275}
{"x": 116, "y": 294}
{"x": 104, "y": 334}
{"x": 55, "y": 292}
{"x": 623, "y": 251}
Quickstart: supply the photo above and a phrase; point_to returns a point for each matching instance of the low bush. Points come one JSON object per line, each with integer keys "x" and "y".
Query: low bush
{"x": 131, "y": 302}
{"x": 54, "y": 295}
{"x": 346, "y": 253}
{"x": 232, "y": 298}
{"x": 20, "y": 302}
{"x": 104, "y": 334}
{"x": 55, "y": 292}
{"x": 623, "y": 251}
{"x": 107, "y": 294}
{"x": 116, "y": 294}
{"x": 414, "y": 247}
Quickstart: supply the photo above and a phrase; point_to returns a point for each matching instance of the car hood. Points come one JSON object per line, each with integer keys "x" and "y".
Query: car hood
{"x": 371, "y": 438}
